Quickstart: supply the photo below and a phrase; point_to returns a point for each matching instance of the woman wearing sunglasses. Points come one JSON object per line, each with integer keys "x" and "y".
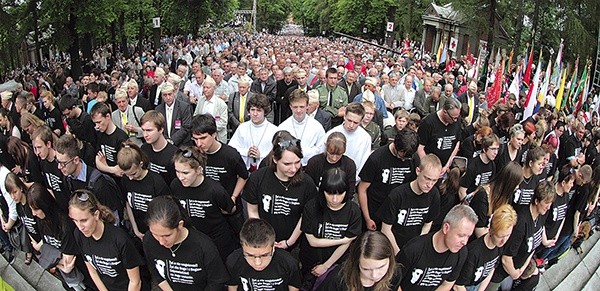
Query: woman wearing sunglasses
{"x": 277, "y": 193}
{"x": 110, "y": 256}
{"x": 204, "y": 199}
{"x": 180, "y": 257}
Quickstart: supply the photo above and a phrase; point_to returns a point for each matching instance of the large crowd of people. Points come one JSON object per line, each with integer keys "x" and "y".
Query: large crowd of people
{"x": 259, "y": 162}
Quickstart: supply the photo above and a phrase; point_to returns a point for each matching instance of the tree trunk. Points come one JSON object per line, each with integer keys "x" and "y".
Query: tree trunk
{"x": 74, "y": 47}
{"x": 86, "y": 46}
{"x": 124, "y": 48}
{"x": 492, "y": 29}
{"x": 140, "y": 44}
{"x": 36, "y": 30}
{"x": 518, "y": 25}
{"x": 536, "y": 17}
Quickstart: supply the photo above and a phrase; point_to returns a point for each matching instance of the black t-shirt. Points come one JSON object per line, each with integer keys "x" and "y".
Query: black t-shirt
{"x": 196, "y": 264}
{"x": 478, "y": 174}
{"x": 29, "y": 221}
{"x": 111, "y": 256}
{"x": 385, "y": 172}
{"x": 32, "y": 171}
{"x": 204, "y": 204}
{"x": 521, "y": 243}
{"x": 277, "y": 276}
{"x": 503, "y": 135}
{"x": 111, "y": 144}
{"x": 447, "y": 201}
{"x": 55, "y": 180}
{"x": 481, "y": 262}
{"x": 552, "y": 165}
{"x": 523, "y": 196}
{"x": 425, "y": 268}
{"x": 161, "y": 161}
{"x": 556, "y": 215}
{"x": 54, "y": 119}
{"x": 281, "y": 208}
{"x": 83, "y": 127}
{"x": 468, "y": 148}
{"x": 62, "y": 240}
{"x": 578, "y": 202}
{"x": 528, "y": 284}
{"x": 322, "y": 222}
{"x": 407, "y": 212}
{"x": 140, "y": 193}
{"x": 226, "y": 166}
{"x": 481, "y": 205}
{"x": 318, "y": 165}
{"x": 438, "y": 138}
{"x": 503, "y": 157}
{"x": 335, "y": 281}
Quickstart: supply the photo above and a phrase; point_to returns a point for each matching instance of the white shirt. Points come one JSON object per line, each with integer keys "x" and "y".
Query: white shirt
{"x": 310, "y": 133}
{"x": 249, "y": 134}
{"x": 359, "y": 145}
{"x": 193, "y": 88}
{"x": 409, "y": 98}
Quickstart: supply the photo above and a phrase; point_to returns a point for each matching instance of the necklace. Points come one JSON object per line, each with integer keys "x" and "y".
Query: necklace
{"x": 173, "y": 251}
{"x": 282, "y": 184}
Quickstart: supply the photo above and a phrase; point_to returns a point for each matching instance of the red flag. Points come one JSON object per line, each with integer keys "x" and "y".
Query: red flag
{"x": 470, "y": 58}
{"x": 494, "y": 94}
{"x": 527, "y": 77}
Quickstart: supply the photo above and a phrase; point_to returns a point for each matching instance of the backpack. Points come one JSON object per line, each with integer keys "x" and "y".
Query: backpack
{"x": 114, "y": 188}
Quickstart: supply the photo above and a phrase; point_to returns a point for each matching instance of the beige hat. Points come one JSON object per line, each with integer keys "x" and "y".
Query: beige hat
{"x": 167, "y": 88}
{"x": 473, "y": 86}
{"x": 313, "y": 96}
{"x": 6, "y": 95}
{"x": 174, "y": 78}
{"x": 371, "y": 81}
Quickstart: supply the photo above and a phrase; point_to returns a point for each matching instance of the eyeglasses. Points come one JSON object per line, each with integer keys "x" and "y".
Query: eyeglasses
{"x": 64, "y": 164}
{"x": 188, "y": 154}
{"x": 452, "y": 117}
{"x": 253, "y": 257}
{"x": 284, "y": 145}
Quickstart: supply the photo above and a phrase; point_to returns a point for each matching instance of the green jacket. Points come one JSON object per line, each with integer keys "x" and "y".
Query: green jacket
{"x": 340, "y": 99}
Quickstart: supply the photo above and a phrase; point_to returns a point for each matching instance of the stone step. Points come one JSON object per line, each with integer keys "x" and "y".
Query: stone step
{"x": 573, "y": 271}
{"x": 27, "y": 277}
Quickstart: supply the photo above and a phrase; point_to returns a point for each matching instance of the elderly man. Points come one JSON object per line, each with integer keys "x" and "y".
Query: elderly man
{"x": 391, "y": 93}
{"x": 222, "y": 89}
{"x": 216, "y": 107}
{"x": 350, "y": 85}
{"x": 422, "y": 95}
{"x": 156, "y": 89}
{"x": 283, "y": 111}
{"x": 470, "y": 99}
{"x": 407, "y": 93}
{"x": 134, "y": 99}
{"x": 238, "y": 104}
{"x": 178, "y": 117}
{"x": 435, "y": 100}
{"x": 127, "y": 117}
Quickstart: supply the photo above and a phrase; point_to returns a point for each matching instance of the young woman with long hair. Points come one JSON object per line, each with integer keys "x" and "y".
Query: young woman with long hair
{"x": 180, "y": 257}
{"x": 110, "y": 257}
{"x": 370, "y": 265}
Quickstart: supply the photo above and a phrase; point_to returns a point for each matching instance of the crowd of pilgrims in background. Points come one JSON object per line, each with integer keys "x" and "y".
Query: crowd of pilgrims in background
{"x": 275, "y": 163}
